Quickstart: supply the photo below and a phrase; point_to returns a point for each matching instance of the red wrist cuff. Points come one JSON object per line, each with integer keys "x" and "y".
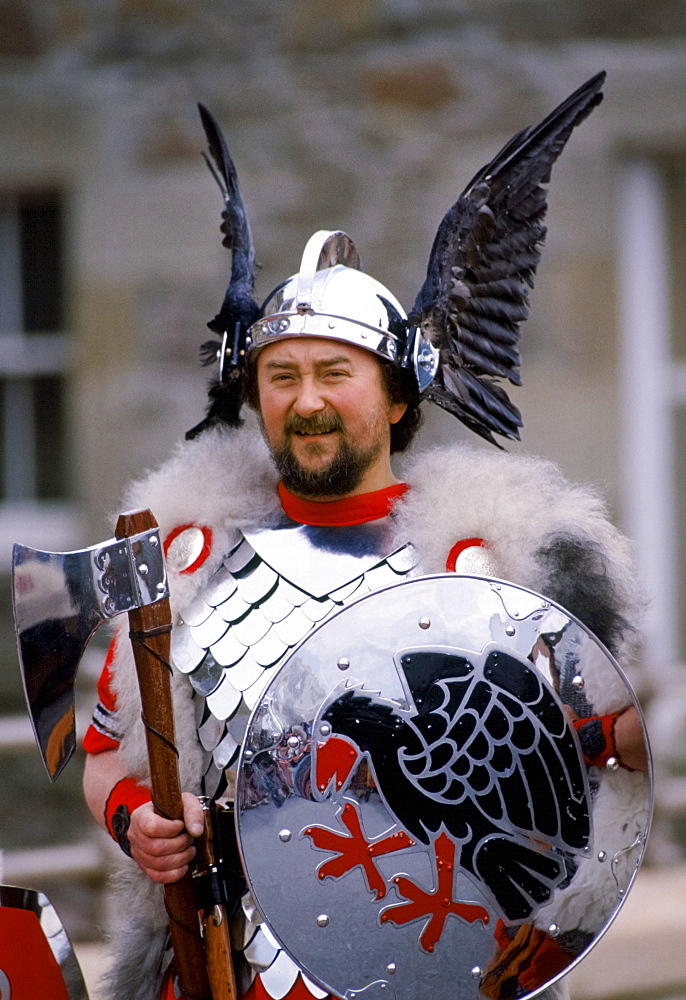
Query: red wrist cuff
{"x": 126, "y": 796}
{"x": 600, "y": 747}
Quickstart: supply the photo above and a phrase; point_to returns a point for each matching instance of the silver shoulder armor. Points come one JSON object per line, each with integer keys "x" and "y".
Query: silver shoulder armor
{"x": 272, "y": 588}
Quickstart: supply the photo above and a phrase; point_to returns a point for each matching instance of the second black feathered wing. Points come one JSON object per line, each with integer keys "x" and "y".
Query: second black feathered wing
{"x": 481, "y": 265}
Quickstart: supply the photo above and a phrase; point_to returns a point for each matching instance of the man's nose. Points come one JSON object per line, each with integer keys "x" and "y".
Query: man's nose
{"x": 310, "y": 398}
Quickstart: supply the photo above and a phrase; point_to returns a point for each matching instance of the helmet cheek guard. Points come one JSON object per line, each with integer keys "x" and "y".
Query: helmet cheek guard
{"x": 331, "y": 297}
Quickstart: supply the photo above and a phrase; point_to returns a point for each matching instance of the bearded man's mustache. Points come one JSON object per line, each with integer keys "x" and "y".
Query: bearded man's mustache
{"x": 319, "y": 423}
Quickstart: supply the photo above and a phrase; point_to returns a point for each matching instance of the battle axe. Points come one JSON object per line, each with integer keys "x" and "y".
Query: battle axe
{"x": 60, "y": 598}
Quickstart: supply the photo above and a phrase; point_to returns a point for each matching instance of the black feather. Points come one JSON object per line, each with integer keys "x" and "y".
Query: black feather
{"x": 500, "y": 416}
{"x": 209, "y": 352}
{"x": 226, "y": 398}
{"x": 483, "y": 260}
{"x": 239, "y": 310}
{"x": 493, "y": 360}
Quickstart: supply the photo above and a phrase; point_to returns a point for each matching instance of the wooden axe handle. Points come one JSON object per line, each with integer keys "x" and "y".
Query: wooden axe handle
{"x": 215, "y": 921}
{"x": 150, "y": 632}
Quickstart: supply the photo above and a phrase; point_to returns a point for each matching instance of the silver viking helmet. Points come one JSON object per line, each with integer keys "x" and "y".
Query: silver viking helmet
{"x": 461, "y": 335}
{"x": 332, "y": 297}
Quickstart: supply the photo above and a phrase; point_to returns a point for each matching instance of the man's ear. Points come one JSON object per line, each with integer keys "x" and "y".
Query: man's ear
{"x": 396, "y": 412}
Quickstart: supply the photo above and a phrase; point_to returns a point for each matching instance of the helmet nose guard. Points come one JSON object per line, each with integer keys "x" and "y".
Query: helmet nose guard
{"x": 332, "y": 297}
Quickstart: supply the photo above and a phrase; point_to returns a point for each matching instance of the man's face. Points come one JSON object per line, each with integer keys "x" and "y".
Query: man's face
{"x": 326, "y": 416}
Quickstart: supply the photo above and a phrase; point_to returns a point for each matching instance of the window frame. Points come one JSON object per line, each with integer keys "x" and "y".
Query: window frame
{"x": 25, "y": 356}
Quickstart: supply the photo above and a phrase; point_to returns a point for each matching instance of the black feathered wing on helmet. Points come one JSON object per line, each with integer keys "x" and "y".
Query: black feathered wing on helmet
{"x": 239, "y": 310}
{"x": 483, "y": 262}
{"x": 475, "y": 295}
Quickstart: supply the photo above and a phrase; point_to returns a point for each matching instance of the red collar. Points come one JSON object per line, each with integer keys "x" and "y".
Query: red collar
{"x": 350, "y": 510}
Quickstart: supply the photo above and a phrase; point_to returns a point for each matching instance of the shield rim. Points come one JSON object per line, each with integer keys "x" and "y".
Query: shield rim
{"x": 650, "y": 776}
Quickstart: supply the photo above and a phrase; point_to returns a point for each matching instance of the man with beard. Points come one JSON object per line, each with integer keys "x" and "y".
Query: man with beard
{"x": 331, "y": 413}
{"x": 263, "y": 543}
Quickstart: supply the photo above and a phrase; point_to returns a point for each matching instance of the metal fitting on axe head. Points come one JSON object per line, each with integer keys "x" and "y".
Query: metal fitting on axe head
{"x": 59, "y": 599}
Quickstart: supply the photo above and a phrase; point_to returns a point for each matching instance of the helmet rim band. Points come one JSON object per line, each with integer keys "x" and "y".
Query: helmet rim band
{"x": 295, "y": 325}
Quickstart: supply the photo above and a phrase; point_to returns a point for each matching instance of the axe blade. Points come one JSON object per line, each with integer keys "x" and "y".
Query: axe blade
{"x": 59, "y": 600}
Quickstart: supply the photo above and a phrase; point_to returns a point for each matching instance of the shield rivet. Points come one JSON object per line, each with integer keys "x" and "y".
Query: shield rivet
{"x": 248, "y": 755}
{"x": 325, "y": 729}
{"x": 285, "y": 836}
{"x": 390, "y": 968}
{"x": 293, "y": 742}
{"x": 424, "y": 622}
{"x": 477, "y": 972}
{"x": 143, "y": 569}
{"x": 602, "y": 856}
{"x": 343, "y": 663}
{"x": 154, "y": 541}
{"x": 578, "y": 682}
{"x": 322, "y": 920}
{"x": 553, "y": 930}
{"x": 510, "y": 630}
{"x": 612, "y": 763}
{"x": 160, "y": 588}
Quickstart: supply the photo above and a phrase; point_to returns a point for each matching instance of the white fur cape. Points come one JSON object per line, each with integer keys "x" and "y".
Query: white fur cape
{"x": 225, "y": 480}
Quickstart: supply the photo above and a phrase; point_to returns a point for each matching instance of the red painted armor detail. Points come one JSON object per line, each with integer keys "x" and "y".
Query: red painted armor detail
{"x": 336, "y": 757}
{"x": 436, "y": 905}
{"x": 458, "y": 548}
{"x": 27, "y": 959}
{"x": 355, "y": 851}
{"x": 204, "y": 552}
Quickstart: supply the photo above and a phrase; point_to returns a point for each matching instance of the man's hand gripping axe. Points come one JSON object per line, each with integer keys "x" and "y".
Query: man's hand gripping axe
{"x": 59, "y": 601}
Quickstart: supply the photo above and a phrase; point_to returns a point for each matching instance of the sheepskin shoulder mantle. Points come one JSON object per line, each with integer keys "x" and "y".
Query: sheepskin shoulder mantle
{"x": 538, "y": 527}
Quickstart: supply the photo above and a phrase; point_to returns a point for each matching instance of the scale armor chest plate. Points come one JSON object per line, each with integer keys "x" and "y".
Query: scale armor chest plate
{"x": 272, "y": 588}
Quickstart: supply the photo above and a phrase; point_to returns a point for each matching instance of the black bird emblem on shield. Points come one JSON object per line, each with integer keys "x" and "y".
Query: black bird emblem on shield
{"x": 483, "y": 768}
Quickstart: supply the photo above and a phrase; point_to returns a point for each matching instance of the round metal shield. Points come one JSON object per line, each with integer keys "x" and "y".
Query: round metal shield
{"x": 435, "y": 797}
